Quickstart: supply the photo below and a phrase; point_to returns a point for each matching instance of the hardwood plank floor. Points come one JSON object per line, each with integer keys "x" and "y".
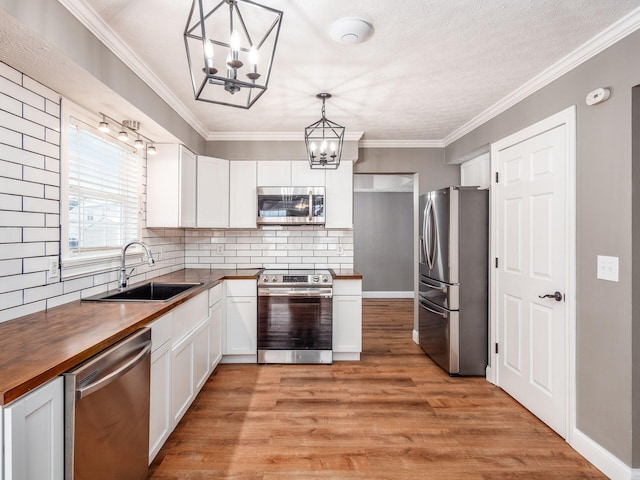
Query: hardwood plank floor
{"x": 393, "y": 415}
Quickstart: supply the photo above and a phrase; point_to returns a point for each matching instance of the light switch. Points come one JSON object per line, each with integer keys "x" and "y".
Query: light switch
{"x": 607, "y": 268}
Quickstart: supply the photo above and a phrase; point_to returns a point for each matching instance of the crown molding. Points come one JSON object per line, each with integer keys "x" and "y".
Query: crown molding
{"x": 612, "y": 34}
{"x": 94, "y": 23}
{"x": 270, "y": 136}
{"x": 401, "y": 144}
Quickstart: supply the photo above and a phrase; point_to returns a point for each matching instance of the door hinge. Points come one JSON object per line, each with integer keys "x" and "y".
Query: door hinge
{"x": 497, "y": 177}
{"x": 496, "y": 262}
{"x": 496, "y": 347}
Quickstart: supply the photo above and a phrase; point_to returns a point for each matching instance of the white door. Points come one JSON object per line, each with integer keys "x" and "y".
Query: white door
{"x": 532, "y": 250}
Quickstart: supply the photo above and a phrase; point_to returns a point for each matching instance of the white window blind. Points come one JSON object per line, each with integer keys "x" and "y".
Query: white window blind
{"x": 103, "y": 179}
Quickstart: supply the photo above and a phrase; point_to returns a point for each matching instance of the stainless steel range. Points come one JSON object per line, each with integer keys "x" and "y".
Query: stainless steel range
{"x": 295, "y": 316}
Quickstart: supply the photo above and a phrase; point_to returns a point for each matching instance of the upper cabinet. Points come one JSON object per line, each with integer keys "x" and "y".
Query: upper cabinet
{"x": 476, "y": 172}
{"x": 242, "y": 195}
{"x": 289, "y": 174}
{"x": 212, "y": 193}
{"x": 339, "y": 196}
{"x": 171, "y": 187}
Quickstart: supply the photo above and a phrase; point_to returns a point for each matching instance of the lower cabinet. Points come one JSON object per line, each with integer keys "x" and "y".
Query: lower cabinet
{"x": 216, "y": 316}
{"x": 241, "y": 322}
{"x": 347, "y": 319}
{"x": 160, "y": 419}
{"x": 182, "y": 377}
{"x": 33, "y": 434}
{"x": 202, "y": 354}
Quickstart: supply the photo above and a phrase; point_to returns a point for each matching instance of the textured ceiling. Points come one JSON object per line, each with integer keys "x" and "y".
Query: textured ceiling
{"x": 430, "y": 66}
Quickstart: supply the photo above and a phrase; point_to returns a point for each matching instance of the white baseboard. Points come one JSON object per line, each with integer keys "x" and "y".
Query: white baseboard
{"x": 602, "y": 459}
{"x": 415, "y": 337}
{"x": 387, "y": 294}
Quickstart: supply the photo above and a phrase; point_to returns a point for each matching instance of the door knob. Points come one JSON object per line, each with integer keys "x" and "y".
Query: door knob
{"x": 557, "y": 296}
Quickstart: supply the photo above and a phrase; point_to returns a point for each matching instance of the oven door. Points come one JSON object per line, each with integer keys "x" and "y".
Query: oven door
{"x": 294, "y": 323}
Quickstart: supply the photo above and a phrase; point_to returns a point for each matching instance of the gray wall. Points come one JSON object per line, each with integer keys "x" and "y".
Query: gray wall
{"x": 635, "y": 426}
{"x": 427, "y": 162}
{"x": 605, "y": 340}
{"x": 60, "y": 30}
{"x": 383, "y": 240}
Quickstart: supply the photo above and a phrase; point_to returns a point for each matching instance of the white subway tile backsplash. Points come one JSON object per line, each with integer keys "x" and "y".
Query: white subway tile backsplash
{"x": 10, "y": 137}
{"x": 30, "y": 204}
{"x": 40, "y": 146}
{"x": 11, "y": 299}
{"x": 10, "y": 267}
{"x": 10, "y": 235}
{"x": 78, "y": 284}
{"x": 52, "y": 136}
{"x": 26, "y": 309}
{"x": 10, "y": 105}
{"x": 62, "y": 299}
{"x": 18, "y": 156}
{"x": 20, "y": 187}
{"x": 10, "y": 169}
{"x": 21, "y": 250}
{"x": 41, "y": 176}
{"x": 10, "y": 73}
{"x": 18, "y": 124}
{"x": 52, "y": 248}
{"x": 43, "y": 292}
{"x": 40, "y": 235}
{"x": 21, "y": 219}
{"x": 51, "y": 192}
{"x": 21, "y": 94}
{"x": 52, "y": 164}
{"x": 10, "y": 202}
{"x": 52, "y": 108}
{"x": 40, "y": 89}
{"x": 40, "y": 117}
{"x": 20, "y": 282}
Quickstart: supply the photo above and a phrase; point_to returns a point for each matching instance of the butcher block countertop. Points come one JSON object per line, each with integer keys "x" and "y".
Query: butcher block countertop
{"x": 346, "y": 274}
{"x": 38, "y": 347}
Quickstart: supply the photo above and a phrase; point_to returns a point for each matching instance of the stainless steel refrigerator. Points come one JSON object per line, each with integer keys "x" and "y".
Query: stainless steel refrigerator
{"x": 453, "y": 293}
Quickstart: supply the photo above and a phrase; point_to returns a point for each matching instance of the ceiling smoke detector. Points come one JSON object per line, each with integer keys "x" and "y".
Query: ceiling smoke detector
{"x": 349, "y": 31}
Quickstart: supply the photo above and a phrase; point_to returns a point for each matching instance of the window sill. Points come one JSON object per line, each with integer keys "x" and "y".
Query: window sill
{"x": 82, "y": 267}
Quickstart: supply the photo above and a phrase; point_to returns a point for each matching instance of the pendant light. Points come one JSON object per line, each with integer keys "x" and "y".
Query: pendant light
{"x": 324, "y": 140}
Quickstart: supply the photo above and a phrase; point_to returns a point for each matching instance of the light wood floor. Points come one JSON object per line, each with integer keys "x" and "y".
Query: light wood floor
{"x": 393, "y": 415}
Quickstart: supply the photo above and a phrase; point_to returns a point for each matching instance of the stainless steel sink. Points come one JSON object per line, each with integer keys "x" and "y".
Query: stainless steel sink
{"x": 148, "y": 292}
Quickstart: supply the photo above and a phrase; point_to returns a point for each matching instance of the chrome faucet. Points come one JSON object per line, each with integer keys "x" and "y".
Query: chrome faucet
{"x": 123, "y": 277}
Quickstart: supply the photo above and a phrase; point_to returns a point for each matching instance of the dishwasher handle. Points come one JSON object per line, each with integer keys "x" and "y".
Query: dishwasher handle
{"x": 120, "y": 371}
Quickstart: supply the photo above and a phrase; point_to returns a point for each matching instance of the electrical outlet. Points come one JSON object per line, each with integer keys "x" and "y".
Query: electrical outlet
{"x": 607, "y": 268}
{"x": 219, "y": 249}
{"x": 54, "y": 268}
{"x": 159, "y": 254}
{"x": 340, "y": 249}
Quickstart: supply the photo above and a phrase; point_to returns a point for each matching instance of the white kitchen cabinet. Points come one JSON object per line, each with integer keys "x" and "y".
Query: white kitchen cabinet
{"x": 241, "y": 332}
{"x": 476, "y": 172}
{"x": 339, "y": 196}
{"x": 216, "y": 317}
{"x": 347, "y": 319}
{"x": 212, "y": 193}
{"x": 160, "y": 419}
{"x": 34, "y": 434}
{"x": 302, "y": 175}
{"x": 171, "y": 187}
{"x": 182, "y": 378}
{"x": 242, "y": 194}
{"x": 274, "y": 173}
{"x": 202, "y": 354}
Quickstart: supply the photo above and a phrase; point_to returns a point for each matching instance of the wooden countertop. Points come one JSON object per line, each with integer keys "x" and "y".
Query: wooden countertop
{"x": 346, "y": 274}
{"x": 38, "y": 347}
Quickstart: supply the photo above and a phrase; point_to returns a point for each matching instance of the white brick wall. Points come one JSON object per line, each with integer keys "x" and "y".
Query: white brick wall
{"x": 30, "y": 207}
{"x": 280, "y": 247}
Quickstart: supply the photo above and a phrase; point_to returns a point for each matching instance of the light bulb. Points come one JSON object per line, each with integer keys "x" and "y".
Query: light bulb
{"x": 333, "y": 147}
{"x": 208, "y": 50}
{"x": 123, "y": 136}
{"x": 138, "y": 144}
{"x": 253, "y": 55}
{"x": 313, "y": 147}
{"x": 235, "y": 41}
{"x": 323, "y": 148}
{"x": 103, "y": 126}
{"x": 151, "y": 150}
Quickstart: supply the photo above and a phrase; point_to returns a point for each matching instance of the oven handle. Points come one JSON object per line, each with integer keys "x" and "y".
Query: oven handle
{"x": 293, "y": 292}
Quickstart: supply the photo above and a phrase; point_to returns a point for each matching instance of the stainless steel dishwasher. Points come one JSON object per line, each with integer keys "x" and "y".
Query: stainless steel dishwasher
{"x": 107, "y": 413}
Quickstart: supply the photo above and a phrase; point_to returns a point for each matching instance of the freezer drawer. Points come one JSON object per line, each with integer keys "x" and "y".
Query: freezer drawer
{"x": 440, "y": 293}
{"x": 438, "y": 330}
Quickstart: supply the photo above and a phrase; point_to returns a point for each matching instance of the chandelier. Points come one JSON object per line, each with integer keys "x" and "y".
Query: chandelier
{"x": 230, "y": 47}
{"x": 324, "y": 140}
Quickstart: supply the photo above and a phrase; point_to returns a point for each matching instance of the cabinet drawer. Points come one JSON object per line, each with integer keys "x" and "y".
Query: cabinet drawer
{"x": 347, "y": 287}
{"x": 161, "y": 330}
{"x": 215, "y": 294}
{"x": 241, "y": 288}
{"x": 188, "y": 315}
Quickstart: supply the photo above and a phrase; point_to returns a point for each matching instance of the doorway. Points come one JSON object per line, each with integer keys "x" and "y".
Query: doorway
{"x": 383, "y": 215}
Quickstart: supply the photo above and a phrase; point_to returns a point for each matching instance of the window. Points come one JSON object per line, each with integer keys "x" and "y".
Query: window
{"x": 101, "y": 194}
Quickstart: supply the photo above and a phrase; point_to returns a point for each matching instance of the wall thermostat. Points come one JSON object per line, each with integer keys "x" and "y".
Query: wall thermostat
{"x": 599, "y": 95}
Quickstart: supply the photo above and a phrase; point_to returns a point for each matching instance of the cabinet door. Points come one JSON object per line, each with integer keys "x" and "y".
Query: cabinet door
{"x": 182, "y": 387}
{"x": 303, "y": 176}
{"x": 213, "y": 193}
{"x": 476, "y": 172}
{"x": 216, "y": 317}
{"x": 187, "y": 196}
{"x": 242, "y": 195}
{"x": 347, "y": 323}
{"x": 202, "y": 354}
{"x": 339, "y": 196}
{"x": 274, "y": 173}
{"x": 241, "y": 326}
{"x": 160, "y": 420}
{"x": 34, "y": 434}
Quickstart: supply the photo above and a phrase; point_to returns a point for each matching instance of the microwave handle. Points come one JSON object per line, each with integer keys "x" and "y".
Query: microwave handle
{"x": 310, "y": 205}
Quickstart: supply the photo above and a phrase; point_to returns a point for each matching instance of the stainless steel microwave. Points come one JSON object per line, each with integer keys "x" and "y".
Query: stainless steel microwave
{"x": 290, "y": 205}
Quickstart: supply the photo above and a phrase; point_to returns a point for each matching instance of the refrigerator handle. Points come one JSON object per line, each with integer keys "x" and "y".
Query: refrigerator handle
{"x": 430, "y": 238}
{"x": 424, "y": 305}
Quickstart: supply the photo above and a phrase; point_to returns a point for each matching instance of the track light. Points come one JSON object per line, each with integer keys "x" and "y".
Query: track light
{"x": 123, "y": 136}
{"x": 151, "y": 150}
{"x": 138, "y": 144}
{"x": 103, "y": 126}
